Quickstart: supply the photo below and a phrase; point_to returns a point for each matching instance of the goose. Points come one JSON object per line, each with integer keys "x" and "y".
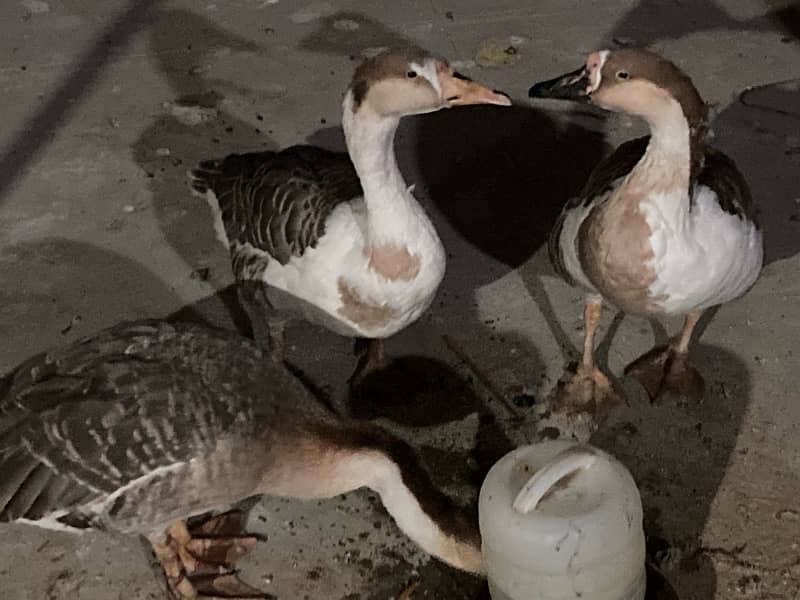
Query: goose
{"x": 664, "y": 226}
{"x": 339, "y": 239}
{"x": 140, "y": 427}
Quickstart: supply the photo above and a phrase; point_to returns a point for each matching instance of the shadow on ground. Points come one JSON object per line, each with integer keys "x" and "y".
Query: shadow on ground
{"x": 651, "y": 21}
{"x": 183, "y": 43}
{"x": 679, "y": 455}
{"x": 41, "y": 127}
{"x": 47, "y": 270}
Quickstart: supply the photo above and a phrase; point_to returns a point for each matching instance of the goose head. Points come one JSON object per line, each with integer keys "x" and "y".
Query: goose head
{"x": 397, "y": 83}
{"x": 634, "y": 81}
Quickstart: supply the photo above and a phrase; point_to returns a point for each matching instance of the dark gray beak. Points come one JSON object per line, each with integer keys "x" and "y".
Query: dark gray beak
{"x": 571, "y": 86}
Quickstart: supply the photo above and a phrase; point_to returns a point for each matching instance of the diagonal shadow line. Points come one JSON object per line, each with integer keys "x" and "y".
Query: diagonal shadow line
{"x": 38, "y": 130}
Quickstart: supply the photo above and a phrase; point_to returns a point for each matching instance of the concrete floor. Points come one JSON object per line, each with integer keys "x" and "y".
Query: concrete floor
{"x": 105, "y": 106}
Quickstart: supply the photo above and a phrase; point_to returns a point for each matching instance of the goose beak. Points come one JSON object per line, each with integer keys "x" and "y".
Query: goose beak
{"x": 570, "y": 86}
{"x": 458, "y": 90}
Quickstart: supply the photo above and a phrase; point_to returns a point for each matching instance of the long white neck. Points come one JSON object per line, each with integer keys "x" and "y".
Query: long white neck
{"x": 659, "y": 183}
{"x": 666, "y": 164}
{"x": 390, "y": 205}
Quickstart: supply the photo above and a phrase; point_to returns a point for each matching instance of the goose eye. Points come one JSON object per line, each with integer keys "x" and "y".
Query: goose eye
{"x": 411, "y": 74}
{"x": 623, "y": 75}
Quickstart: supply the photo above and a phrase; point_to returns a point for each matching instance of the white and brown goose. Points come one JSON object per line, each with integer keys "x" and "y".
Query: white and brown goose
{"x": 339, "y": 239}
{"x": 144, "y": 425}
{"x": 664, "y": 226}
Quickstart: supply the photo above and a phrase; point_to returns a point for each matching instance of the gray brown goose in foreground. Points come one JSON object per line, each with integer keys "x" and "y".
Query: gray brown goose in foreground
{"x": 339, "y": 239}
{"x": 664, "y": 226}
{"x": 146, "y": 424}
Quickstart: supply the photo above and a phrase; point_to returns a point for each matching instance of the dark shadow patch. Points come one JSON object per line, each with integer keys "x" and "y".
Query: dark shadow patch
{"x": 654, "y": 20}
{"x": 498, "y": 178}
{"x": 501, "y": 176}
{"x": 678, "y": 454}
{"x": 220, "y": 309}
{"x": 181, "y": 43}
{"x": 44, "y": 273}
{"x": 761, "y": 136}
{"x": 330, "y": 138}
{"x": 437, "y": 581}
{"x": 415, "y": 391}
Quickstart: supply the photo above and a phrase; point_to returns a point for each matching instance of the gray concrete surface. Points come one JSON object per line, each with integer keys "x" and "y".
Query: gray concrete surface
{"x": 97, "y": 225}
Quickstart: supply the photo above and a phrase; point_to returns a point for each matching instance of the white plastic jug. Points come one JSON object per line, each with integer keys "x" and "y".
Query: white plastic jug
{"x": 562, "y": 521}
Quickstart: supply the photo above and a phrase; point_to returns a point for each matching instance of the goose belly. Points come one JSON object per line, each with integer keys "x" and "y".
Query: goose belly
{"x": 701, "y": 258}
{"x": 332, "y": 285}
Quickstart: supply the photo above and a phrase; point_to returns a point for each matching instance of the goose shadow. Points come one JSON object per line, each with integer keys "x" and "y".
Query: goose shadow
{"x": 498, "y": 179}
{"x": 195, "y": 126}
{"x": 679, "y": 455}
{"x": 651, "y": 21}
{"x": 65, "y": 289}
{"x": 760, "y": 130}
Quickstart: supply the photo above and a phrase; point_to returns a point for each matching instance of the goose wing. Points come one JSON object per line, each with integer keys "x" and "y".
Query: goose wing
{"x": 719, "y": 173}
{"x": 79, "y": 424}
{"x": 278, "y": 203}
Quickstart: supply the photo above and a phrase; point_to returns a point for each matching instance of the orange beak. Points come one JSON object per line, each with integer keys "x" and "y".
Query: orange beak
{"x": 458, "y": 90}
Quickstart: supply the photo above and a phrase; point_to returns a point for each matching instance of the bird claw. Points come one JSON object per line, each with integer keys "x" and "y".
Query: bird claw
{"x": 662, "y": 370}
{"x": 198, "y": 559}
{"x": 587, "y": 391}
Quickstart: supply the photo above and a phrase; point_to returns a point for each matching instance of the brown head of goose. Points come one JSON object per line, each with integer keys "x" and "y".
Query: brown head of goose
{"x": 340, "y": 240}
{"x": 664, "y": 226}
{"x": 143, "y": 425}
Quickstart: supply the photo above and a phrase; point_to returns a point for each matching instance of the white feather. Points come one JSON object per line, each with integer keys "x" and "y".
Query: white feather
{"x": 568, "y": 243}
{"x": 701, "y": 257}
{"x": 51, "y": 522}
{"x": 388, "y": 214}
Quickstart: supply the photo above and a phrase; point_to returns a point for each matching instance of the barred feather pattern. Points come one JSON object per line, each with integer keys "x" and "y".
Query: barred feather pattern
{"x": 277, "y": 202}
{"x": 148, "y": 423}
{"x": 136, "y": 413}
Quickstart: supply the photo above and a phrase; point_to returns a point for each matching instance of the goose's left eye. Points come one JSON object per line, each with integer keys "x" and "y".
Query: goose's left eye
{"x": 623, "y": 75}
{"x": 411, "y": 74}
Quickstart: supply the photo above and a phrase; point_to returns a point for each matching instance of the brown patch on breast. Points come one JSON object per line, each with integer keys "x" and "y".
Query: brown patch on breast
{"x": 615, "y": 253}
{"x": 394, "y": 262}
{"x": 363, "y": 313}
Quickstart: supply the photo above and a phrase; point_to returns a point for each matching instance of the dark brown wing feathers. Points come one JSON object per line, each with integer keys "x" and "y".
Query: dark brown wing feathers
{"x": 84, "y": 421}
{"x": 278, "y": 202}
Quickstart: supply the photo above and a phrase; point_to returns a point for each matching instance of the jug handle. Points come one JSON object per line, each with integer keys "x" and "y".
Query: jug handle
{"x": 539, "y": 484}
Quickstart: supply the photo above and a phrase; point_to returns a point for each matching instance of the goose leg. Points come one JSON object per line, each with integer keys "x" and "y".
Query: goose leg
{"x": 198, "y": 559}
{"x": 268, "y": 327}
{"x": 667, "y": 368}
{"x": 371, "y": 357}
{"x": 588, "y": 390}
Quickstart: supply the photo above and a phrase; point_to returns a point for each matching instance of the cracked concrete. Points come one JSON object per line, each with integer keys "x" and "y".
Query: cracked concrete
{"x": 107, "y": 104}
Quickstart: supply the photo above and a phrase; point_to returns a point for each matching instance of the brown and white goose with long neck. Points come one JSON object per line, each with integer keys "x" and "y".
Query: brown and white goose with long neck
{"x": 664, "y": 226}
{"x": 141, "y": 426}
{"x": 340, "y": 240}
